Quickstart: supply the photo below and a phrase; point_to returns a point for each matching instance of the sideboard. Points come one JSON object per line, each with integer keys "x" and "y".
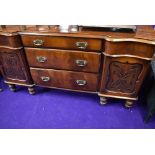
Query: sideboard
{"x": 111, "y": 64}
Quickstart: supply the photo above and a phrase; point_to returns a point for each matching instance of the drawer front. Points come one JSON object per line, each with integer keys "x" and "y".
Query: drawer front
{"x": 62, "y": 42}
{"x": 12, "y": 41}
{"x": 129, "y": 48}
{"x": 65, "y": 79}
{"x": 63, "y": 59}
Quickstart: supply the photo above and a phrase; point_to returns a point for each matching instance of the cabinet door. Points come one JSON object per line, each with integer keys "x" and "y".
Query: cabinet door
{"x": 123, "y": 76}
{"x": 14, "y": 68}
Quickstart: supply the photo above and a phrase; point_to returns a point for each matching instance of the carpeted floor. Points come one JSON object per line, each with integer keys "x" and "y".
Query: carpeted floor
{"x": 57, "y": 109}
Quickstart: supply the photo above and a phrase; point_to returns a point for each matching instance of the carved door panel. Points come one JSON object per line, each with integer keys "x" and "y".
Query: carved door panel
{"x": 123, "y": 76}
{"x": 13, "y": 66}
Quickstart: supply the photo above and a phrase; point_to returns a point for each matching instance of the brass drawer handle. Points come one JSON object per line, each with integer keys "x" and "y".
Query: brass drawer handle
{"x": 38, "y": 42}
{"x": 81, "y": 45}
{"x": 45, "y": 78}
{"x": 81, "y": 63}
{"x": 41, "y": 59}
{"x": 81, "y": 82}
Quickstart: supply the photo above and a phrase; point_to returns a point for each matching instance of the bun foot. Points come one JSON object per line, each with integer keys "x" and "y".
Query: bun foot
{"x": 103, "y": 100}
{"x": 12, "y": 87}
{"x": 31, "y": 90}
{"x": 129, "y": 103}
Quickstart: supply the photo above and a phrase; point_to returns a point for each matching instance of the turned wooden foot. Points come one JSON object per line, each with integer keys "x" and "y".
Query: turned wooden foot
{"x": 103, "y": 100}
{"x": 129, "y": 103}
{"x": 12, "y": 87}
{"x": 31, "y": 90}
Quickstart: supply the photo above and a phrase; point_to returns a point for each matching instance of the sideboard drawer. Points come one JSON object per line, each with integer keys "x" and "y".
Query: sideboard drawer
{"x": 65, "y": 79}
{"x": 63, "y": 59}
{"x": 12, "y": 41}
{"x": 74, "y": 43}
{"x": 129, "y": 48}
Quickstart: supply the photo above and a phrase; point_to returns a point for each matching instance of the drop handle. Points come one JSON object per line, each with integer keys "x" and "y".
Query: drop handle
{"x": 81, "y": 82}
{"x": 81, "y": 45}
{"x": 45, "y": 78}
{"x": 38, "y": 42}
{"x": 81, "y": 63}
{"x": 41, "y": 59}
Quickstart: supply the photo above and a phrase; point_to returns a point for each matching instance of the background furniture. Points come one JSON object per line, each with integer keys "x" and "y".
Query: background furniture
{"x": 151, "y": 96}
{"x": 92, "y": 60}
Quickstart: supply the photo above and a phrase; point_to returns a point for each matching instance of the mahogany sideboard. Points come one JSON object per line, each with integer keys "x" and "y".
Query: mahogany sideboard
{"x": 111, "y": 64}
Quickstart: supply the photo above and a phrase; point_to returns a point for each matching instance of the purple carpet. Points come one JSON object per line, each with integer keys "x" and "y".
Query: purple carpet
{"x": 58, "y": 109}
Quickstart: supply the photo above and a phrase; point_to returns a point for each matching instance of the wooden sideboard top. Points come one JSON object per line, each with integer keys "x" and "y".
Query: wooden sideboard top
{"x": 144, "y": 34}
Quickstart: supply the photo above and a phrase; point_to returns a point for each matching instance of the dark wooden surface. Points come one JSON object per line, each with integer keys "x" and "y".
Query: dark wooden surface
{"x": 117, "y": 63}
{"x": 125, "y": 68}
{"x": 62, "y": 42}
{"x": 10, "y": 41}
{"x": 65, "y": 79}
{"x": 130, "y": 48}
{"x": 143, "y": 31}
{"x": 63, "y": 59}
{"x": 123, "y": 76}
{"x": 14, "y": 66}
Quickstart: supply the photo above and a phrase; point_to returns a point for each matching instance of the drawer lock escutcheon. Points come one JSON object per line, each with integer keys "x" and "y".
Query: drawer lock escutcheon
{"x": 81, "y": 82}
{"x": 81, "y": 63}
{"x": 41, "y": 59}
{"x": 45, "y": 78}
{"x": 38, "y": 42}
{"x": 81, "y": 45}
